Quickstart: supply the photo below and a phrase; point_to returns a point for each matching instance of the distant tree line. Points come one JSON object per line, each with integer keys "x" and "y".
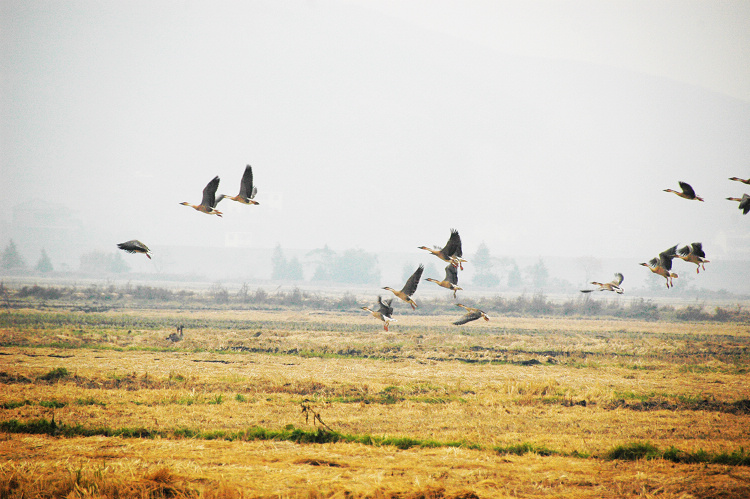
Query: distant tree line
{"x": 353, "y": 266}
{"x": 488, "y": 269}
{"x": 535, "y": 305}
{"x": 11, "y": 260}
{"x": 94, "y": 262}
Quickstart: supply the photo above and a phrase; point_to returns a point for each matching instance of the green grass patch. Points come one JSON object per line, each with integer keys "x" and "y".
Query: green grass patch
{"x": 633, "y": 452}
{"x": 644, "y": 450}
{"x": 52, "y": 404}
{"x": 216, "y": 400}
{"x": 55, "y": 374}
{"x": 630, "y": 395}
{"x": 628, "y": 452}
{"x": 526, "y": 448}
{"x": 89, "y": 401}
{"x": 14, "y": 404}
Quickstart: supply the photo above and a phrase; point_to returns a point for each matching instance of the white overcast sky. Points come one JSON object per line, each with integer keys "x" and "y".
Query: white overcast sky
{"x": 538, "y": 127}
{"x": 704, "y": 43}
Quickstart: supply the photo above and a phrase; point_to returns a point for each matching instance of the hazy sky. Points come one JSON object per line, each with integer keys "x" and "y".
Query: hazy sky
{"x": 537, "y": 127}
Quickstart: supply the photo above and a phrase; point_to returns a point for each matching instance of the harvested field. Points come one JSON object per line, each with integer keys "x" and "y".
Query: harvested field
{"x": 293, "y": 403}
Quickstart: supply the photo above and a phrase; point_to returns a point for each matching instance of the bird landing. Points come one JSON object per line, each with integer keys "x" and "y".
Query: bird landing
{"x": 135, "y": 246}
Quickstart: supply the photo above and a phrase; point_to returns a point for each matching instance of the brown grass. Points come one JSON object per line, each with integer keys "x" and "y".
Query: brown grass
{"x": 595, "y": 385}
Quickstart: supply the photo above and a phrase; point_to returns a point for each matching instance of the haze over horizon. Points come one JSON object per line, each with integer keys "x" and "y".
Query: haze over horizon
{"x": 538, "y": 128}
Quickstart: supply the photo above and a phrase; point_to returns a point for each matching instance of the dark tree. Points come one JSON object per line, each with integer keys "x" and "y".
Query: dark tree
{"x": 539, "y": 274}
{"x": 12, "y": 259}
{"x": 278, "y": 271}
{"x": 98, "y": 262}
{"x": 44, "y": 264}
{"x": 483, "y": 274}
{"x": 323, "y": 258}
{"x": 294, "y": 270}
{"x": 284, "y": 269}
{"x": 353, "y": 266}
{"x": 514, "y": 277}
{"x": 117, "y": 265}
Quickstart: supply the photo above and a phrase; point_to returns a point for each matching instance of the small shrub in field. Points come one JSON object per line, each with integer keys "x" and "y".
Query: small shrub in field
{"x": 525, "y": 448}
{"x": 56, "y": 374}
{"x": 151, "y": 293}
{"x": 52, "y": 404}
{"x": 219, "y": 293}
{"x": 294, "y": 298}
{"x": 348, "y": 301}
{"x": 722, "y": 315}
{"x": 46, "y": 293}
{"x": 15, "y": 404}
{"x": 89, "y": 401}
{"x": 539, "y": 304}
{"x": 591, "y": 306}
{"x": 642, "y": 309}
{"x": 633, "y": 451}
{"x": 692, "y": 313}
{"x": 261, "y": 296}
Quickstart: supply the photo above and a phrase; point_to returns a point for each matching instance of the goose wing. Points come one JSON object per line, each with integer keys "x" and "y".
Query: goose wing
{"x": 653, "y": 263}
{"x": 618, "y": 279}
{"x": 411, "y": 284}
{"x": 745, "y": 204}
{"x": 687, "y": 189}
{"x": 669, "y": 253}
{"x": 665, "y": 257}
{"x": 386, "y": 310}
{"x": 697, "y": 249}
{"x": 471, "y": 316}
{"x": 453, "y": 246}
{"x": 133, "y": 246}
{"x": 209, "y": 193}
{"x": 451, "y": 274}
{"x": 247, "y": 191}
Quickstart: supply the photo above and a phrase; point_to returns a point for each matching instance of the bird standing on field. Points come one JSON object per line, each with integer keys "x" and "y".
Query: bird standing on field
{"x": 693, "y": 253}
{"x": 744, "y": 203}
{"x": 247, "y": 190}
{"x": 135, "y": 246}
{"x": 613, "y": 285}
{"x": 208, "y": 203}
{"x": 384, "y": 312}
{"x": 663, "y": 265}
{"x": 687, "y": 192}
{"x": 472, "y": 314}
{"x": 409, "y": 288}
{"x": 175, "y": 337}
{"x": 451, "y": 279}
{"x": 451, "y": 252}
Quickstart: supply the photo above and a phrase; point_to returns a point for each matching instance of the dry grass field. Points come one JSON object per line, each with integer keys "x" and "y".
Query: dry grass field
{"x": 320, "y": 403}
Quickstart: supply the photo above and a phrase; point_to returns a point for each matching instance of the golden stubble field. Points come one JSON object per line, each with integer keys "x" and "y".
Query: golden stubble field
{"x": 568, "y": 391}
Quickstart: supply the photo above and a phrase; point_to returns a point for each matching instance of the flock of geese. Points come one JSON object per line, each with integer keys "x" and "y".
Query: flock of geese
{"x": 207, "y": 206}
{"x": 452, "y": 253}
{"x": 691, "y": 253}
